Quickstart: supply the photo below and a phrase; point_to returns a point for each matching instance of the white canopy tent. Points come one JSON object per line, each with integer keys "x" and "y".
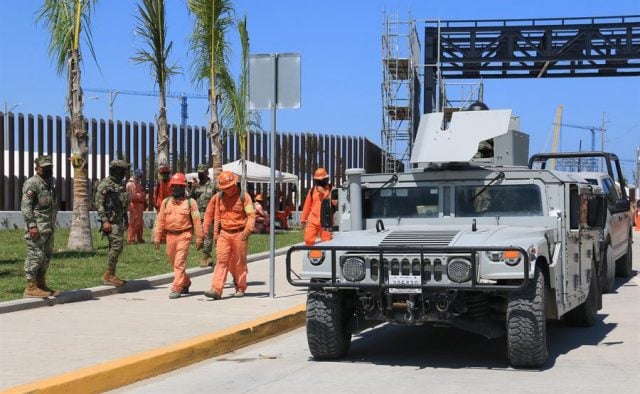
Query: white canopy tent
{"x": 256, "y": 173}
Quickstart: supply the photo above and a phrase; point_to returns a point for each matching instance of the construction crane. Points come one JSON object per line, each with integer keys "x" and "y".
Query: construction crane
{"x": 593, "y": 130}
{"x": 558, "y": 124}
{"x": 113, "y": 93}
{"x": 556, "y": 136}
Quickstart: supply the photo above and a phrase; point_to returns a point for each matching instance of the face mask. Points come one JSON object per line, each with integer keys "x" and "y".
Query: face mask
{"x": 203, "y": 178}
{"x": 47, "y": 172}
{"x": 166, "y": 176}
{"x": 322, "y": 183}
{"x": 232, "y": 191}
{"x": 118, "y": 175}
{"x": 177, "y": 191}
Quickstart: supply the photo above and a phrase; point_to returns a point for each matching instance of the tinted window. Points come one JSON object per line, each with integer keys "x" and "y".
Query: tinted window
{"x": 502, "y": 200}
{"x": 405, "y": 202}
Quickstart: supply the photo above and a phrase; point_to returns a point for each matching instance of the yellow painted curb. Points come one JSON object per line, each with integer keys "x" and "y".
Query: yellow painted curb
{"x": 118, "y": 373}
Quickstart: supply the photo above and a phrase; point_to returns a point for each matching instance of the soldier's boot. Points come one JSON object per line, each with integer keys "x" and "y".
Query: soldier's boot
{"x": 42, "y": 284}
{"x": 33, "y": 291}
{"x": 110, "y": 278}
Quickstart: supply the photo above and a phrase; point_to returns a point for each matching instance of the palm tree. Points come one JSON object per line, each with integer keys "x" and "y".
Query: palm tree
{"x": 235, "y": 109}
{"x": 151, "y": 26}
{"x": 65, "y": 19}
{"x": 210, "y": 50}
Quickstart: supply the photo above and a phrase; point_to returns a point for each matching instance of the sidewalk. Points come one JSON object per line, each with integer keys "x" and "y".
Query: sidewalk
{"x": 44, "y": 342}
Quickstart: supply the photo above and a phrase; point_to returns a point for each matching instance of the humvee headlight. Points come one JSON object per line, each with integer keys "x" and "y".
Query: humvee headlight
{"x": 509, "y": 257}
{"x": 459, "y": 269}
{"x": 316, "y": 257}
{"x": 353, "y": 269}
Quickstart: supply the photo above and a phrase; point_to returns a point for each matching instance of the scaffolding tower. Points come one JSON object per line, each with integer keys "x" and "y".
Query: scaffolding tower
{"x": 400, "y": 91}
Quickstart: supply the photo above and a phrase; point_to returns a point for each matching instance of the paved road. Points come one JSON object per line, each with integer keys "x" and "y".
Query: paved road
{"x": 603, "y": 358}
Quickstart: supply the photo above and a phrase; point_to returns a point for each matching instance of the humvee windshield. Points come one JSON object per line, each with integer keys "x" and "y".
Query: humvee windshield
{"x": 502, "y": 200}
{"x": 405, "y": 202}
{"x": 470, "y": 201}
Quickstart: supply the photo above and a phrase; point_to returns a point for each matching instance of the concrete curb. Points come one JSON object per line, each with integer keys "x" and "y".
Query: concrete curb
{"x": 125, "y": 371}
{"x": 100, "y": 291}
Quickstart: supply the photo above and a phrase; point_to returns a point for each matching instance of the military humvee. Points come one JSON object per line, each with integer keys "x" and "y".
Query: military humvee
{"x": 469, "y": 238}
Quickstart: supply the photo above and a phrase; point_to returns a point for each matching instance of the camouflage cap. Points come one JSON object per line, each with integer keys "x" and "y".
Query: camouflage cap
{"x": 119, "y": 164}
{"x": 44, "y": 161}
{"x": 202, "y": 168}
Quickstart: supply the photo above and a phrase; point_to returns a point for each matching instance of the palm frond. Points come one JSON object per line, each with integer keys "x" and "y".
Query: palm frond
{"x": 59, "y": 18}
{"x": 213, "y": 18}
{"x": 152, "y": 28}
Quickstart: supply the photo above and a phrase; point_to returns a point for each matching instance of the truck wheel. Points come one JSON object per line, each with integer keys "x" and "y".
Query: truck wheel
{"x": 327, "y": 331}
{"x": 623, "y": 265}
{"x": 585, "y": 314}
{"x": 527, "y": 326}
{"x": 608, "y": 269}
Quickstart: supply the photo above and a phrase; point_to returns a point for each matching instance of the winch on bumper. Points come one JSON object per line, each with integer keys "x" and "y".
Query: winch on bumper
{"x": 413, "y": 284}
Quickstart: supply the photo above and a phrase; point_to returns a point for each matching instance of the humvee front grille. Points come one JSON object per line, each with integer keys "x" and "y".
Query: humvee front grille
{"x": 418, "y": 238}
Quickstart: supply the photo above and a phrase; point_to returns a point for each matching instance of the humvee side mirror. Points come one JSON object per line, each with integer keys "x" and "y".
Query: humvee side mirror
{"x": 597, "y": 212}
{"x": 621, "y": 205}
{"x": 326, "y": 214}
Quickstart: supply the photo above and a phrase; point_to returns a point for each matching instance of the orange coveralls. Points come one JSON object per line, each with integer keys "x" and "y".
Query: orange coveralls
{"x": 136, "y": 208}
{"x": 311, "y": 215}
{"x": 233, "y": 221}
{"x": 177, "y": 219}
{"x": 162, "y": 191}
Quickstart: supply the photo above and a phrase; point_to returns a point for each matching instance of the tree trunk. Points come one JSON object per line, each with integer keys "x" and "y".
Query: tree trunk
{"x": 80, "y": 235}
{"x": 163, "y": 139}
{"x": 216, "y": 142}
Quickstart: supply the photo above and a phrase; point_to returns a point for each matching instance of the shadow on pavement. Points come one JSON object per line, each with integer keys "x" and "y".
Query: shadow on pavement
{"x": 442, "y": 347}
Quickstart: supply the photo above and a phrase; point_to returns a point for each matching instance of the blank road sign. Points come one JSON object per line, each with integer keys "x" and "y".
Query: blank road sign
{"x": 262, "y": 80}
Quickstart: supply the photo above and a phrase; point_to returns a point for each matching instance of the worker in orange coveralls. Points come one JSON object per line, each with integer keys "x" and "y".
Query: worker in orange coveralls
{"x": 233, "y": 216}
{"x": 262, "y": 217}
{"x": 136, "y": 207}
{"x": 177, "y": 220}
{"x": 163, "y": 188}
{"x": 311, "y": 210}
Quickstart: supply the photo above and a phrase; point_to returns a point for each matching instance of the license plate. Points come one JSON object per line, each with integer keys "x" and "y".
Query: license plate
{"x": 405, "y": 280}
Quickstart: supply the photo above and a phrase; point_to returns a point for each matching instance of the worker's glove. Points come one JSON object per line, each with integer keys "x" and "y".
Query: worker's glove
{"x": 199, "y": 244}
{"x": 157, "y": 242}
{"x": 34, "y": 233}
{"x": 106, "y": 227}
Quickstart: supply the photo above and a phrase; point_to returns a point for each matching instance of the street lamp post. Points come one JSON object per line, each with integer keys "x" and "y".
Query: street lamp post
{"x": 113, "y": 94}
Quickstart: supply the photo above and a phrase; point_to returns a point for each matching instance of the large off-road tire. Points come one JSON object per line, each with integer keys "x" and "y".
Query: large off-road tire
{"x": 585, "y": 314}
{"x": 608, "y": 270}
{"x": 527, "y": 326}
{"x": 623, "y": 265}
{"x": 328, "y": 333}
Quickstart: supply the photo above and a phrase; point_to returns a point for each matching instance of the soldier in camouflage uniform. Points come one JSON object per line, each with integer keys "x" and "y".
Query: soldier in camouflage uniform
{"x": 39, "y": 210}
{"x": 203, "y": 194}
{"x": 111, "y": 202}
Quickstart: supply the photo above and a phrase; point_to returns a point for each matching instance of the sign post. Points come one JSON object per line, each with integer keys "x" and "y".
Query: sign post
{"x": 274, "y": 82}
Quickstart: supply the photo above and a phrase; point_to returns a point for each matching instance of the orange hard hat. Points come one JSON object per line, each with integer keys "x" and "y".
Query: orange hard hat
{"x": 259, "y": 197}
{"x": 320, "y": 174}
{"x": 178, "y": 179}
{"x": 226, "y": 179}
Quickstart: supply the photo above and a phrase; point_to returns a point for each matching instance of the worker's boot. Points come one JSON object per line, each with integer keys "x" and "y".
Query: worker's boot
{"x": 42, "y": 284}
{"x": 110, "y": 278}
{"x": 33, "y": 291}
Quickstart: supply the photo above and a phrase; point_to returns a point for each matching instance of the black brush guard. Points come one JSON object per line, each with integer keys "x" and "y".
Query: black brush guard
{"x": 414, "y": 250}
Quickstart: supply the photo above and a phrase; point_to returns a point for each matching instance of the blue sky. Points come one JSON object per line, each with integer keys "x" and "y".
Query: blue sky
{"x": 339, "y": 42}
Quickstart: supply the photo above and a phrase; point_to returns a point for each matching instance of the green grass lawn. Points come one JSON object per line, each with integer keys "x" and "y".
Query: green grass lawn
{"x": 76, "y": 270}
